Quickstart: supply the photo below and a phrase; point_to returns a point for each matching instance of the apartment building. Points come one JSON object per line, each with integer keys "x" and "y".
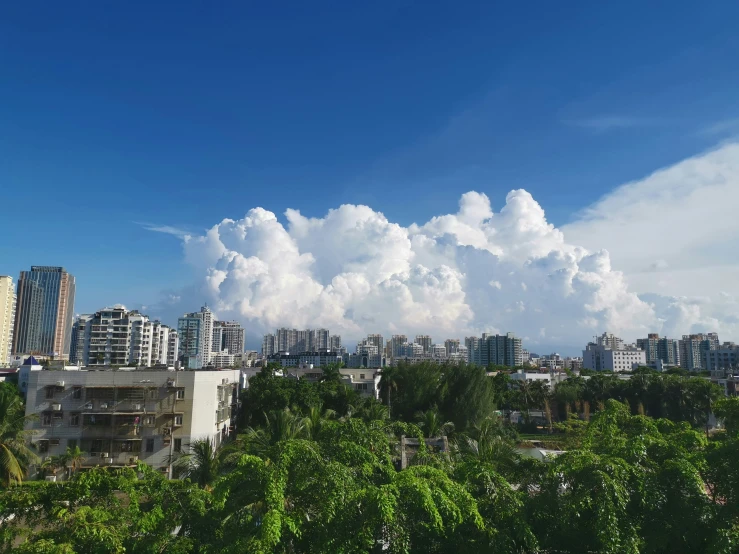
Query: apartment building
{"x": 118, "y": 337}
{"x": 662, "y": 349}
{"x": 118, "y": 417}
{"x": 7, "y": 318}
{"x": 425, "y": 341}
{"x": 694, "y": 350}
{"x": 495, "y": 349}
{"x": 228, "y": 336}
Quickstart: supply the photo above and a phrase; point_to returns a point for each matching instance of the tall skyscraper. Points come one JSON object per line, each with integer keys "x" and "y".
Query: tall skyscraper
{"x": 44, "y": 312}
{"x": 7, "y": 317}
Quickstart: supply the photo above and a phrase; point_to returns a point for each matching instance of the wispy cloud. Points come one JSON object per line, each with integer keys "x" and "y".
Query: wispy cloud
{"x": 604, "y": 123}
{"x": 725, "y": 127}
{"x": 166, "y": 229}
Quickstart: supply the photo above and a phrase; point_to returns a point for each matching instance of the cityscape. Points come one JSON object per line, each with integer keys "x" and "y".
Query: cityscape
{"x": 38, "y": 320}
{"x": 369, "y": 278}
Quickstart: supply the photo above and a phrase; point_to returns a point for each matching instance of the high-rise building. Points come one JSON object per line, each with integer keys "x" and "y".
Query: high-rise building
{"x": 425, "y": 341}
{"x": 378, "y": 341}
{"x": 318, "y": 339}
{"x": 194, "y": 341}
{"x": 504, "y": 350}
{"x": 7, "y": 317}
{"x": 80, "y": 342}
{"x": 334, "y": 343}
{"x": 452, "y": 346}
{"x": 473, "y": 349}
{"x": 269, "y": 345}
{"x": 663, "y": 349}
{"x": 228, "y": 335}
{"x": 397, "y": 348}
{"x": 173, "y": 347}
{"x": 44, "y": 312}
{"x": 208, "y": 320}
{"x": 694, "y": 350}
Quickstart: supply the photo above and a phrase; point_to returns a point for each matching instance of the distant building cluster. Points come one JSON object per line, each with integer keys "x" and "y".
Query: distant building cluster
{"x": 693, "y": 352}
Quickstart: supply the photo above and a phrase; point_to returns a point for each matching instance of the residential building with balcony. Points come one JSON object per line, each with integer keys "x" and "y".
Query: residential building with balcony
{"x": 120, "y": 417}
{"x": 7, "y": 318}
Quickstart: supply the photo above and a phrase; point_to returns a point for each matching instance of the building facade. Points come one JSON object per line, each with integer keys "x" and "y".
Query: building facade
{"x": 44, "y": 312}
{"x": 120, "y": 417}
{"x": 7, "y": 317}
{"x": 725, "y": 357}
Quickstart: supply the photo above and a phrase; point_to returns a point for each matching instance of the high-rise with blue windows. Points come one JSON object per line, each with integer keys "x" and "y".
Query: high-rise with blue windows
{"x": 44, "y": 312}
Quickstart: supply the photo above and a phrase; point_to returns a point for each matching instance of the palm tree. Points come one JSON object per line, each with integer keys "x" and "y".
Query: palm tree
{"x": 52, "y": 463}
{"x": 280, "y": 425}
{"x": 431, "y": 423}
{"x": 389, "y": 382}
{"x": 487, "y": 443}
{"x": 373, "y": 410}
{"x": 74, "y": 458}
{"x": 315, "y": 418}
{"x": 201, "y": 463}
{"x": 15, "y": 456}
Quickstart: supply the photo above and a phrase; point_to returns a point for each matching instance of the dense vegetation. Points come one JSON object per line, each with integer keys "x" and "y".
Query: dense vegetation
{"x": 314, "y": 470}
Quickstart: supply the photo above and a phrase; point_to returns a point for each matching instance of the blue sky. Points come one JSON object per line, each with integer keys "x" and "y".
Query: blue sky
{"x": 182, "y": 114}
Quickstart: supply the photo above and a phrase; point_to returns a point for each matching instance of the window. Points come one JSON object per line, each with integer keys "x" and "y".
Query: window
{"x": 49, "y": 392}
{"x": 43, "y": 446}
{"x": 46, "y": 420}
{"x": 153, "y": 394}
{"x": 74, "y": 420}
{"x": 178, "y": 445}
{"x": 361, "y": 375}
{"x": 180, "y": 394}
{"x": 178, "y": 420}
{"x": 77, "y": 393}
{"x": 53, "y": 442}
{"x": 150, "y": 445}
{"x": 72, "y": 443}
{"x": 150, "y": 420}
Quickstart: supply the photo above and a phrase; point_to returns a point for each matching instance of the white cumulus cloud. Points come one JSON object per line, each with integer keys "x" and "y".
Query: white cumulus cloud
{"x": 652, "y": 256}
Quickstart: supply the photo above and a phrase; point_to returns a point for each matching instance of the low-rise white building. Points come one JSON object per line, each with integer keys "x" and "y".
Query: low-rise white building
{"x": 118, "y": 417}
{"x": 602, "y": 356}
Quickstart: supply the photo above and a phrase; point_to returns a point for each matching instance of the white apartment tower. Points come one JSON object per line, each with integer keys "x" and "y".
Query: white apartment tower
{"x": 118, "y": 337}
{"x": 7, "y": 317}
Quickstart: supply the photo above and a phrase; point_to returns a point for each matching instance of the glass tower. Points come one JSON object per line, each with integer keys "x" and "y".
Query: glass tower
{"x": 44, "y": 312}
